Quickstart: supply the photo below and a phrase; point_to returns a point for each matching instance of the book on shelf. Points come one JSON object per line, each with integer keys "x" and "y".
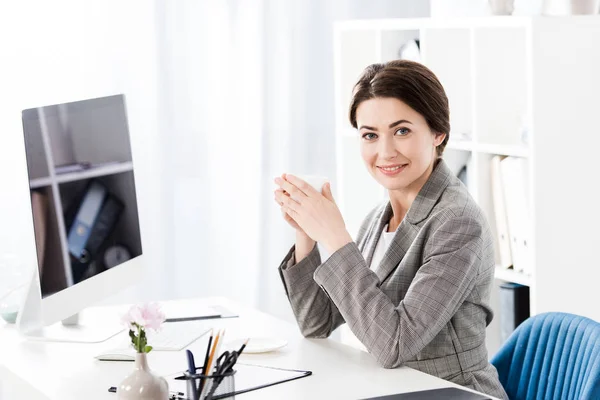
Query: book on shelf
{"x": 499, "y": 204}
{"x": 39, "y": 202}
{"x": 515, "y": 183}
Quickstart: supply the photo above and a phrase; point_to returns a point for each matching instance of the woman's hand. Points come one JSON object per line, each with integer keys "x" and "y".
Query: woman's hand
{"x": 314, "y": 213}
{"x": 279, "y": 193}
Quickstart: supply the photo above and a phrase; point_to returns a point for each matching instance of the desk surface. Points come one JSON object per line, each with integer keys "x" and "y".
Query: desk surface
{"x": 69, "y": 371}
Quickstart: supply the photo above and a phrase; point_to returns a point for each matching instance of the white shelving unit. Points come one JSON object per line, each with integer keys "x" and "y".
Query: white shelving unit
{"x": 524, "y": 87}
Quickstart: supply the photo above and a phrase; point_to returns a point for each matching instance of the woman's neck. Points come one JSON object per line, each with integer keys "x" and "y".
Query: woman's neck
{"x": 401, "y": 200}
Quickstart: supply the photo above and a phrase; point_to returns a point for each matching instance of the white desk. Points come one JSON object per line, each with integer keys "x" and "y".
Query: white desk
{"x": 68, "y": 371}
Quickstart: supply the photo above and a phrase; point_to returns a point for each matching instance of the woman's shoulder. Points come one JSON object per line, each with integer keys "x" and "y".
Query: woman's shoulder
{"x": 457, "y": 204}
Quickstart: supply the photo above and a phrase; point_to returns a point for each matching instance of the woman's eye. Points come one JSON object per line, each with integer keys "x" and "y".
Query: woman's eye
{"x": 403, "y": 131}
{"x": 369, "y": 136}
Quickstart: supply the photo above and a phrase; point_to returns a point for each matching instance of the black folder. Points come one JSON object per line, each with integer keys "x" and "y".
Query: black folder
{"x": 450, "y": 393}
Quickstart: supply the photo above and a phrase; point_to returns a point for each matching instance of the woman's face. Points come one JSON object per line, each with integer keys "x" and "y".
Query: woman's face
{"x": 397, "y": 145}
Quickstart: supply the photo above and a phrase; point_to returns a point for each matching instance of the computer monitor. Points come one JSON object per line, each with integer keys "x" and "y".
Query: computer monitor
{"x": 85, "y": 216}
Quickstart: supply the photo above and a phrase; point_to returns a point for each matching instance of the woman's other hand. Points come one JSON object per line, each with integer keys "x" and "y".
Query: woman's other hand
{"x": 280, "y": 195}
{"x": 314, "y": 213}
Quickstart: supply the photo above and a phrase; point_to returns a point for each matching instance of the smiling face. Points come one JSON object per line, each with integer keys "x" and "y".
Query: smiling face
{"x": 397, "y": 145}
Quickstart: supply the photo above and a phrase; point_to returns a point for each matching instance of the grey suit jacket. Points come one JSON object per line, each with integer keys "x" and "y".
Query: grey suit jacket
{"x": 427, "y": 304}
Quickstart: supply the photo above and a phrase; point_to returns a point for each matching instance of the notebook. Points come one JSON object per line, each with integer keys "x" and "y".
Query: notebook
{"x": 450, "y": 393}
{"x": 248, "y": 377}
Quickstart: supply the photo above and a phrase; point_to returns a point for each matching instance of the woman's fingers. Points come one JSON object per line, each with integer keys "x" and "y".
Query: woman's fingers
{"x": 293, "y": 191}
{"x": 306, "y": 188}
{"x": 285, "y": 200}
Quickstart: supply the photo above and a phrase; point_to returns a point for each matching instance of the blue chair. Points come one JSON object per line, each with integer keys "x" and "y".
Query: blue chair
{"x": 551, "y": 356}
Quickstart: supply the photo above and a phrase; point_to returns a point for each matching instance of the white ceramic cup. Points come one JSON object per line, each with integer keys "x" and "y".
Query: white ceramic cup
{"x": 315, "y": 181}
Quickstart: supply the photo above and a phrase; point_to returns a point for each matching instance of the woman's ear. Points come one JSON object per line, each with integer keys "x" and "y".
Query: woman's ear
{"x": 439, "y": 138}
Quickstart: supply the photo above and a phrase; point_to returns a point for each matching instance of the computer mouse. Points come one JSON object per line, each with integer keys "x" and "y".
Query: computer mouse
{"x": 116, "y": 355}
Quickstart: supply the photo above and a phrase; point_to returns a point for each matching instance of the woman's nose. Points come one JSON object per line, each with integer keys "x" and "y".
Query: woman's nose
{"x": 387, "y": 148}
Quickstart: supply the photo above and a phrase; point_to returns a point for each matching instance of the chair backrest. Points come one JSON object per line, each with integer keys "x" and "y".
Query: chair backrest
{"x": 551, "y": 356}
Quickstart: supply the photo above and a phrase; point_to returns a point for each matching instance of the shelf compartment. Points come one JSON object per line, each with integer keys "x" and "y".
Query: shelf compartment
{"x": 447, "y": 52}
{"x": 503, "y": 150}
{"x": 40, "y": 182}
{"x": 393, "y": 40}
{"x": 464, "y": 145}
{"x": 354, "y": 51}
{"x": 500, "y": 82}
{"x": 94, "y": 172}
{"x": 510, "y": 275}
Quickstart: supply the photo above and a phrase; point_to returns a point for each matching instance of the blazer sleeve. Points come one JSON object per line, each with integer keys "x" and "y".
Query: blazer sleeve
{"x": 316, "y": 314}
{"x": 395, "y": 334}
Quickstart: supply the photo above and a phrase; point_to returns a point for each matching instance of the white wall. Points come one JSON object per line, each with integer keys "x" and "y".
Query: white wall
{"x": 61, "y": 51}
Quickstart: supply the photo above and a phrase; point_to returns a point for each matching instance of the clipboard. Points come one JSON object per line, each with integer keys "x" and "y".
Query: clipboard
{"x": 248, "y": 377}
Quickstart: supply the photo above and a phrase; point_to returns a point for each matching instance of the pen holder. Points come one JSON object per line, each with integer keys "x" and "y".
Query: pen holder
{"x": 218, "y": 386}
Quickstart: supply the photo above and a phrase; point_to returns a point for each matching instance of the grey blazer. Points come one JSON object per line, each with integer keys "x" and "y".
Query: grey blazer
{"x": 426, "y": 305}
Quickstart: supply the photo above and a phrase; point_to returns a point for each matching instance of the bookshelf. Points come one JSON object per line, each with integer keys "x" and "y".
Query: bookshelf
{"x": 523, "y": 87}
{"x": 57, "y": 139}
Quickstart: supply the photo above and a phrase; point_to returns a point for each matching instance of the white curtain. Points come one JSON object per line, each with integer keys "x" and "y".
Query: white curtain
{"x": 223, "y": 95}
{"x": 245, "y": 94}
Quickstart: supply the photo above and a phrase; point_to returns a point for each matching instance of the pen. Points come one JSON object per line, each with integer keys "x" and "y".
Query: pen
{"x": 191, "y": 363}
{"x": 205, "y": 365}
{"x": 192, "y": 371}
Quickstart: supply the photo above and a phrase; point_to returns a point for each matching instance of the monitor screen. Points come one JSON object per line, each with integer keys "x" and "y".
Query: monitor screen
{"x": 82, "y": 187}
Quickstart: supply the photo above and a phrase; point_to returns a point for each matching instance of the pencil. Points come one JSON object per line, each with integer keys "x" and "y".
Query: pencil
{"x": 243, "y": 347}
{"x": 210, "y": 362}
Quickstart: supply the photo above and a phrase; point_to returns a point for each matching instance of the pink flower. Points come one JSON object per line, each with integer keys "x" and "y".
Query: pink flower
{"x": 147, "y": 316}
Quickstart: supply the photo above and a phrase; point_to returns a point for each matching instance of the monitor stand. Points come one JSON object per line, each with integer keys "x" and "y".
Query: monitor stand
{"x": 71, "y": 330}
{"x": 67, "y": 331}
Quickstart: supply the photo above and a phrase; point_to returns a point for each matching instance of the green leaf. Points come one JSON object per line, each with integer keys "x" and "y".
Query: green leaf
{"x": 148, "y": 349}
{"x": 134, "y": 339}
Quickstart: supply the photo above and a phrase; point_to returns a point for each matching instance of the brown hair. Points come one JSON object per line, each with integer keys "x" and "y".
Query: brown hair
{"x": 411, "y": 83}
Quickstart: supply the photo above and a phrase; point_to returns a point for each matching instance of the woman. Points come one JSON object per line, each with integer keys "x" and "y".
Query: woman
{"x": 415, "y": 286}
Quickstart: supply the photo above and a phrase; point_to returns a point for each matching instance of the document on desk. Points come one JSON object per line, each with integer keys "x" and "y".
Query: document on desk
{"x": 188, "y": 312}
{"x": 248, "y": 377}
{"x": 450, "y": 393}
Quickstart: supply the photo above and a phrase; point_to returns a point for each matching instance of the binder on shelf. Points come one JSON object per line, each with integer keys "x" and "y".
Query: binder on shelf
{"x": 498, "y": 198}
{"x": 514, "y": 307}
{"x": 105, "y": 223}
{"x": 81, "y": 229}
{"x": 515, "y": 182}
{"x": 101, "y": 228}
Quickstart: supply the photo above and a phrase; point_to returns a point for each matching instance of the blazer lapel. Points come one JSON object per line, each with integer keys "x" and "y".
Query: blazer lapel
{"x": 375, "y": 232}
{"x": 403, "y": 238}
{"x": 408, "y": 229}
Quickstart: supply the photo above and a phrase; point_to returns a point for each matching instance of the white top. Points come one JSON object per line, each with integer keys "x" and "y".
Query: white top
{"x": 385, "y": 239}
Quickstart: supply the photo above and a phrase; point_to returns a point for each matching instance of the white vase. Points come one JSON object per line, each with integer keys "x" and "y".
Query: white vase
{"x": 142, "y": 384}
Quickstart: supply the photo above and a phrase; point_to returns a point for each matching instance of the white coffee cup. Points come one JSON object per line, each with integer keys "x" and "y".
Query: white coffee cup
{"x": 315, "y": 181}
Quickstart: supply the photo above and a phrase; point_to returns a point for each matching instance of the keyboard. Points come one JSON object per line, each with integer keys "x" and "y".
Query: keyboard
{"x": 175, "y": 336}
